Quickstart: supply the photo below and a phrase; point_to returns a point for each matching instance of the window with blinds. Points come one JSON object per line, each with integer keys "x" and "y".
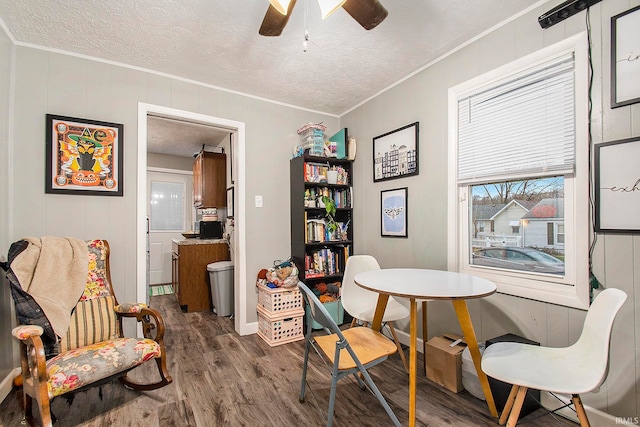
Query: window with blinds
{"x": 521, "y": 126}
{"x": 519, "y": 175}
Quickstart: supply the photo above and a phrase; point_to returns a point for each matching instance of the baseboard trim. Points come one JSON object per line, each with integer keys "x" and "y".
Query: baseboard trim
{"x": 596, "y": 416}
{"x": 251, "y": 328}
{"x": 7, "y": 383}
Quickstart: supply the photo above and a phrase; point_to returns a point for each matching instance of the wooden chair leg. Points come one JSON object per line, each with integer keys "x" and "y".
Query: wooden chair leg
{"x": 582, "y": 414}
{"x": 165, "y": 378}
{"x": 508, "y": 405}
{"x": 517, "y": 406}
{"x": 353, "y": 322}
{"x": 399, "y": 346}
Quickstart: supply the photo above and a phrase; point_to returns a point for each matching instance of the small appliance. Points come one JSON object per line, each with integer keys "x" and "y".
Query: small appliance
{"x": 210, "y": 230}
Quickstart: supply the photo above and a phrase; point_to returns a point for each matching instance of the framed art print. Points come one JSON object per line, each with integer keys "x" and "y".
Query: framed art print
{"x": 617, "y": 185}
{"x": 83, "y": 156}
{"x": 625, "y": 58}
{"x": 230, "y": 202}
{"x": 393, "y": 210}
{"x": 395, "y": 153}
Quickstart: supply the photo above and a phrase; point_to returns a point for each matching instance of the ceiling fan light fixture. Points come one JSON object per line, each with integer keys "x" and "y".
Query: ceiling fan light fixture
{"x": 327, "y": 7}
{"x": 280, "y": 5}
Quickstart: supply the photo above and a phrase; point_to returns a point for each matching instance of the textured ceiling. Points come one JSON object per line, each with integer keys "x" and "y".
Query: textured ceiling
{"x": 216, "y": 42}
{"x": 180, "y": 138}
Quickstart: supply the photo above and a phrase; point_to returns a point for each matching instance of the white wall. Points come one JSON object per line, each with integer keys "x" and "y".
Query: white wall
{"x": 423, "y": 98}
{"x": 167, "y": 161}
{"x": 66, "y": 85}
{"x": 6, "y": 316}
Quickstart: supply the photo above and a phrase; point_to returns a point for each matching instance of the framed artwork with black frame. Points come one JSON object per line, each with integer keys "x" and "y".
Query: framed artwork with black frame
{"x": 230, "y": 200}
{"x": 83, "y": 157}
{"x": 625, "y": 58}
{"x": 395, "y": 153}
{"x": 617, "y": 185}
{"x": 393, "y": 213}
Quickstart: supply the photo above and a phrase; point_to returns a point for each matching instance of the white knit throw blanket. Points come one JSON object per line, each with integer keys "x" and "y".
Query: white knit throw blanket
{"x": 53, "y": 270}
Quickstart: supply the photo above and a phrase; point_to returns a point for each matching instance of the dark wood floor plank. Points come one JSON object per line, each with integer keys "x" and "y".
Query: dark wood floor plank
{"x": 223, "y": 379}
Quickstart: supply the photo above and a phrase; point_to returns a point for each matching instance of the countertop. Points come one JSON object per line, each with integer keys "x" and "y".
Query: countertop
{"x": 197, "y": 241}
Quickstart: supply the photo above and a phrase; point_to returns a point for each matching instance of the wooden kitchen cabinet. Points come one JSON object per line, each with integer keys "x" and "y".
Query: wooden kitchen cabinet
{"x": 210, "y": 180}
{"x": 189, "y": 272}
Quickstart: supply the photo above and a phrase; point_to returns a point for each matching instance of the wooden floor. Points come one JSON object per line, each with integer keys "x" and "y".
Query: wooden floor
{"x": 223, "y": 379}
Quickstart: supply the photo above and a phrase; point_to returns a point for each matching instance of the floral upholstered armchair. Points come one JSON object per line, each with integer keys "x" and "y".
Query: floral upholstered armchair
{"x": 94, "y": 349}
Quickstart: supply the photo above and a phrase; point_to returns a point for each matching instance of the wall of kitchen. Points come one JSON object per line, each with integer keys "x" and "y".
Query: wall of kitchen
{"x": 167, "y": 161}
{"x": 423, "y": 98}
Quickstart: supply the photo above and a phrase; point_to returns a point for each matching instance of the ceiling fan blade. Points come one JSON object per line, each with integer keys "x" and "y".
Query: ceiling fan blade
{"x": 368, "y": 13}
{"x": 274, "y": 22}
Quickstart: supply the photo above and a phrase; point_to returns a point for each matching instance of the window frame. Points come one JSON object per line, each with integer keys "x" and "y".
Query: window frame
{"x": 573, "y": 288}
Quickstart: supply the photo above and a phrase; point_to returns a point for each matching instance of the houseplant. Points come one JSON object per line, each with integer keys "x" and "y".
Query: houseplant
{"x": 330, "y": 213}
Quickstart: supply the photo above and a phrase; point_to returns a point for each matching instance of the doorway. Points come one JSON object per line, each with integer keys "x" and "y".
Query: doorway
{"x": 237, "y": 129}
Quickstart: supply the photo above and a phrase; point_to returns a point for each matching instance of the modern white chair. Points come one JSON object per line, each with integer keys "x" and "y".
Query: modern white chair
{"x": 579, "y": 368}
{"x": 361, "y": 303}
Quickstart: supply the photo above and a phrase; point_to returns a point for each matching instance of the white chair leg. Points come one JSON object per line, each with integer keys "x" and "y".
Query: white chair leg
{"x": 582, "y": 414}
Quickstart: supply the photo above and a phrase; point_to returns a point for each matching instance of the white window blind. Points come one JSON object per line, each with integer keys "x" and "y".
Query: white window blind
{"x": 519, "y": 127}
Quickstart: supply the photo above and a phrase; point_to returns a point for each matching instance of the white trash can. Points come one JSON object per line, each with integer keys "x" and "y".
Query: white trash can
{"x": 470, "y": 379}
{"x": 221, "y": 282}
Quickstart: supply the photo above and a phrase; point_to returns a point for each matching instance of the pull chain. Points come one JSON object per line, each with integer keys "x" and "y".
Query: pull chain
{"x": 306, "y": 27}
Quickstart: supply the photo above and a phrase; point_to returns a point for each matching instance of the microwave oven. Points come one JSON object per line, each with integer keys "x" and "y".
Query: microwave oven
{"x": 210, "y": 230}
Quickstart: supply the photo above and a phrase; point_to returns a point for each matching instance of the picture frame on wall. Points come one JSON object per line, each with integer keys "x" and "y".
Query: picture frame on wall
{"x": 395, "y": 153}
{"x": 83, "y": 157}
{"x": 617, "y": 185}
{"x": 230, "y": 202}
{"x": 625, "y": 58}
{"x": 394, "y": 213}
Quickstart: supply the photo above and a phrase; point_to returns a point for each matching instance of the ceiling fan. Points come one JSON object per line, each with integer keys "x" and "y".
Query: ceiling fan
{"x": 368, "y": 13}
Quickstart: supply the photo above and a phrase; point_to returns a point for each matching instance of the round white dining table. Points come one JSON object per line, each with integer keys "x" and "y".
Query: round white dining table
{"x": 423, "y": 284}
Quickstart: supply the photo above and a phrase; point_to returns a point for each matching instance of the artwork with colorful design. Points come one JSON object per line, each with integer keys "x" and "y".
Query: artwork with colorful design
{"x": 83, "y": 156}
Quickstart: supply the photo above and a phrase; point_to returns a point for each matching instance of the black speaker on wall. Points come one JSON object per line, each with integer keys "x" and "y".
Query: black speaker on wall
{"x": 564, "y": 11}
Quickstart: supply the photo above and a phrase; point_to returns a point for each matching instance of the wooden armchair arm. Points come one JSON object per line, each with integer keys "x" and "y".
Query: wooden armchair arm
{"x": 32, "y": 360}
{"x": 152, "y": 322}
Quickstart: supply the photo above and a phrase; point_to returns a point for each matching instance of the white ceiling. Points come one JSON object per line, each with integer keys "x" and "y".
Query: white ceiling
{"x": 216, "y": 42}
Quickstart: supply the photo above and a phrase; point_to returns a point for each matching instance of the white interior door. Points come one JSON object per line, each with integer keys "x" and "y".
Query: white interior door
{"x": 171, "y": 212}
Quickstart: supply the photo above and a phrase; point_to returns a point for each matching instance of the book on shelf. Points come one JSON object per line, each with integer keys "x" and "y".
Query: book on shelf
{"x": 326, "y": 261}
{"x": 317, "y": 172}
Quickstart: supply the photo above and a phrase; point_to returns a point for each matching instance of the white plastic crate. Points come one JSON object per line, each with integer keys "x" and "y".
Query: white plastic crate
{"x": 282, "y": 328}
{"x": 279, "y": 300}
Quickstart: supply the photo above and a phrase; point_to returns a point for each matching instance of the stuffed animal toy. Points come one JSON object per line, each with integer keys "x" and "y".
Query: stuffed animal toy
{"x": 262, "y": 277}
{"x": 283, "y": 277}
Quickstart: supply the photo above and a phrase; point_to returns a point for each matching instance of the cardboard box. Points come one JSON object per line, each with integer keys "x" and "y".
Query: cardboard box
{"x": 443, "y": 360}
